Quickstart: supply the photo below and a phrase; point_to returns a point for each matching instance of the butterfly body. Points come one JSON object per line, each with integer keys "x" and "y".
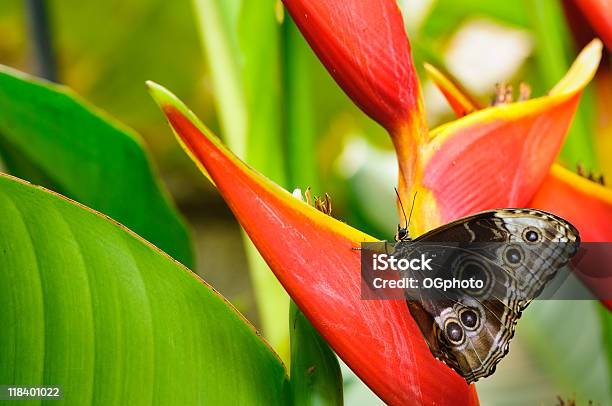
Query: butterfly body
{"x": 515, "y": 252}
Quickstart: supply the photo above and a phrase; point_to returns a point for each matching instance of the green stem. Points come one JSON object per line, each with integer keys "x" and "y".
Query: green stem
{"x": 300, "y": 123}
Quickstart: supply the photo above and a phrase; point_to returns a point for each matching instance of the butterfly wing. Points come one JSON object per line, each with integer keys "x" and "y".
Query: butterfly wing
{"x": 515, "y": 252}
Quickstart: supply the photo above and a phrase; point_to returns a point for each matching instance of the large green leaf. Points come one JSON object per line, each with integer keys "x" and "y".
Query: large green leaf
{"x": 89, "y": 305}
{"x": 49, "y": 136}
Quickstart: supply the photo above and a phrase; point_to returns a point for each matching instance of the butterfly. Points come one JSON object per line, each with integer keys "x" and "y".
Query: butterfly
{"x": 515, "y": 252}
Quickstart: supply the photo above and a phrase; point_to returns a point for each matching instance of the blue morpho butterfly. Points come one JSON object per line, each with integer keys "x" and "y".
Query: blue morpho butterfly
{"x": 515, "y": 252}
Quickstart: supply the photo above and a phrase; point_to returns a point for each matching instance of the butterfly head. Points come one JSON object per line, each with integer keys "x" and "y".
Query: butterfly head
{"x": 403, "y": 234}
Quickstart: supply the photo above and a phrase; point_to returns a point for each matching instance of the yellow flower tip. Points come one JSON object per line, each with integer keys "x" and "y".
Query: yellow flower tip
{"x": 431, "y": 70}
{"x": 458, "y": 98}
{"x": 168, "y": 102}
{"x": 161, "y": 95}
{"x": 582, "y": 70}
{"x": 435, "y": 74}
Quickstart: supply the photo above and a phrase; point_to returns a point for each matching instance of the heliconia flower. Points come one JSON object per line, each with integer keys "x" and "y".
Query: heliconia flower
{"x": 494, "y": 157}
{"x": 312, "y": 255}
{"x": 599, "y": 13}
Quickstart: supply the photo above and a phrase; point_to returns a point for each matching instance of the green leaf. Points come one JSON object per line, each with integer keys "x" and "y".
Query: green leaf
{"x": 50, "y": 136}
{"x": 90, "y": 306}
{"x": 260, "y": 45}
{"x": 315, "y": 373}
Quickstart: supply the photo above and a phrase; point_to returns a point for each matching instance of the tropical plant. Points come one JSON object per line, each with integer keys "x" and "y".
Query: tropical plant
{"x": 97, "y": 268}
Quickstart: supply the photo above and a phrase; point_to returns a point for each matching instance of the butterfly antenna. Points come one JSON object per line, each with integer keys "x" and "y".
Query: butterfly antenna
{"x": 411, "y": 208}
{"x": 402, "y": 207}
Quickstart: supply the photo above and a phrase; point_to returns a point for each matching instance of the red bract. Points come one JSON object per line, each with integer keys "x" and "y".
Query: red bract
{"x": 585, "y": 203}
{"x": 312, "y": 255}
{"x": 363, "y": 45}
{"x": 497, "y": 156}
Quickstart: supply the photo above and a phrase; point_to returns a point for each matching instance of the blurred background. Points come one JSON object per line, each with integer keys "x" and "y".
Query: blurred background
{"x": 244, "y": 69}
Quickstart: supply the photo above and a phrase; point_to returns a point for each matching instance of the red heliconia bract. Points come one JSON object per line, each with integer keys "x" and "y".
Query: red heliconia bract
{"x": 363, "y": 45}
{"x": 584, "y": 202}
{"x": 313, "y": 256}
{"x": 497, "y": 156}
